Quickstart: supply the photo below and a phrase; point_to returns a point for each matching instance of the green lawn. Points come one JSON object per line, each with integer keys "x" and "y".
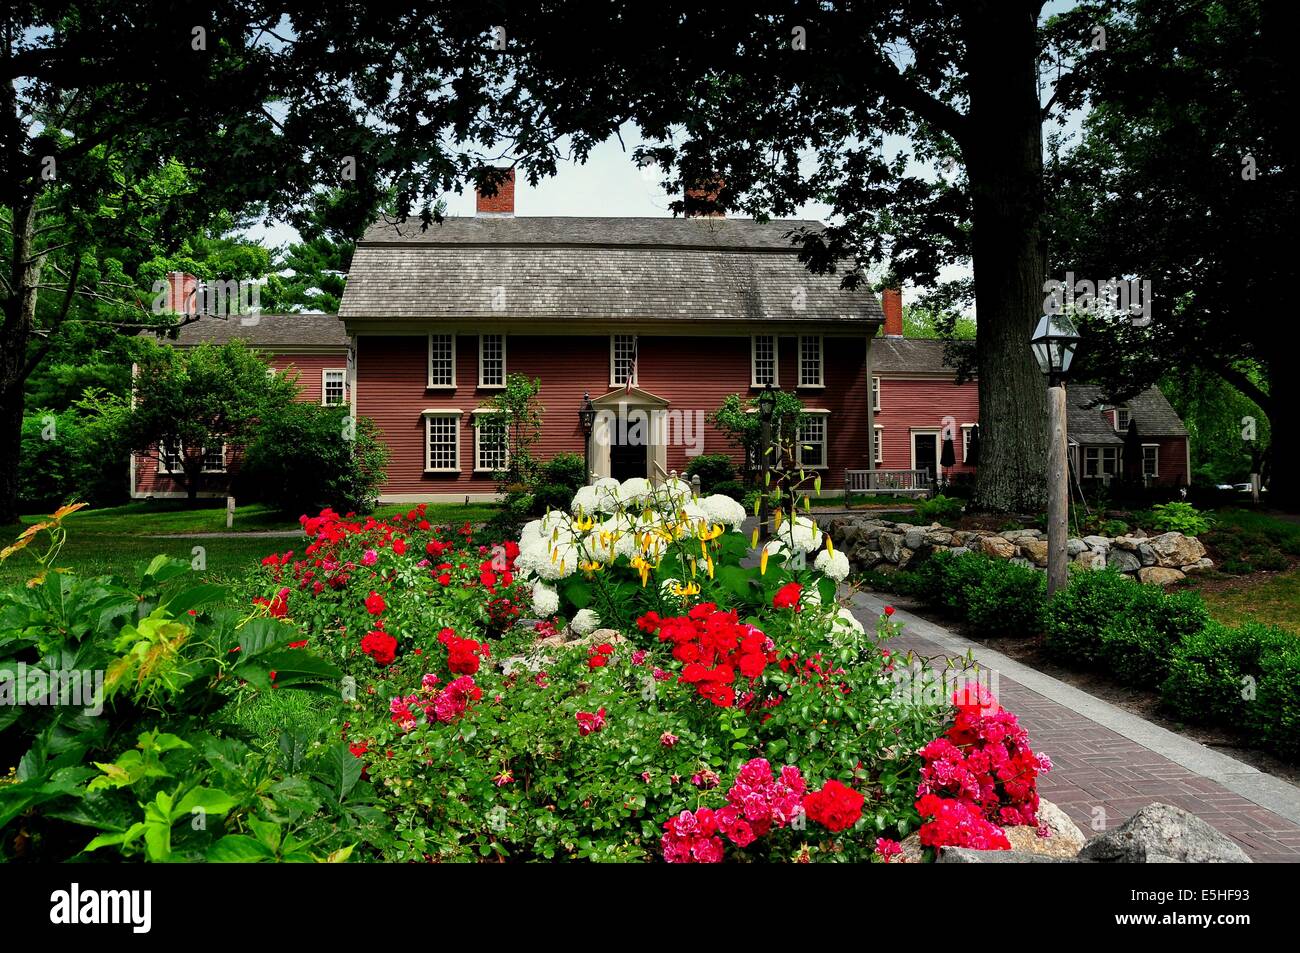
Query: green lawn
{"x": 161, "y": 517}
{"x": 1274, "y": 600}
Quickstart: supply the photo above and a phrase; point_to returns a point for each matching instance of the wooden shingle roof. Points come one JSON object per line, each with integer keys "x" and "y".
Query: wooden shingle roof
{"x": 275, "y": 332}
{"x": 574, "y": 269}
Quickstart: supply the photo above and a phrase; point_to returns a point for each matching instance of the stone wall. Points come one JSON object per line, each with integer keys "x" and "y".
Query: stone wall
{"x": 884, "y": 545}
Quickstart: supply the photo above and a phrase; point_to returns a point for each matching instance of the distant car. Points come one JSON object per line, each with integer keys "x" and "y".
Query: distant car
{"x": 1245, "y": 488}
{"x": 1224, "y": 486}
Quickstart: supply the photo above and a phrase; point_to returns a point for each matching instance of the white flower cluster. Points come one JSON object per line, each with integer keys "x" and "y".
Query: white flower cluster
{"x": 723, "y": 509}
{"x": 546, "y": 601}
{"x": 585, "y": 621}
{"x": 845, "y": 627}
{"x": 835, "y": 565}
{"x": 799, "y": 533}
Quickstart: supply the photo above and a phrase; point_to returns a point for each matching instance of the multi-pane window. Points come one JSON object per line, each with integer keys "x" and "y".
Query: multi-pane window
{"x": 1150, "y": 460}
{"x": 442, "y": 442}
{"x": 491, "y": 360}
{"x": 333, "y": 387}
{"x": 214, "y": 460}
{"x": 1121, "y": 419}
{"x": 442, "y": 360}
{"x": 965, "y": 441}
{"x": 1100, "y": 461}
{"x": 878, "y": 444}
{"x": 763, "y": 361}
{"x": 810, "y": 360}
{"x": 491, "y": 448}
{"x": 170, "y": 457}
{"x": 875, "y": 394}
{"x": 812, "y": 441}
{"x": 622, "y": 359}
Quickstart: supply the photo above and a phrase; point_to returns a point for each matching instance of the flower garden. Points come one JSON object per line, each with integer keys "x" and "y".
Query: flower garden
{"x": 618, "y": 684}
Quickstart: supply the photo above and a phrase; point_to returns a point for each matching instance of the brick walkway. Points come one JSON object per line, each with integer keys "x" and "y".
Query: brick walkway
{"x": 1102, "y": 774}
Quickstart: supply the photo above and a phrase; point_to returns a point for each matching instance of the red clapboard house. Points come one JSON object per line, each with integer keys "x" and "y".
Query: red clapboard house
{"x": 313, "y": 346}
{"x": 656, "y": 319}
{"x": 916, "y": 404}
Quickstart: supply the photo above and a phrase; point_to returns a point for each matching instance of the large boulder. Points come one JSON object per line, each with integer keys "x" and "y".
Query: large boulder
{"x": 1101, "y": 543}
{"x": 1123, "y": 560}
{"x": 1146, "y": 554}
{"x": 1159, "y": 575}
{"x": 1035, "y": 550}
{"x": 1201, "y": 565}
{"x": 1163, "y": 834}
{"x": 914, "y": 537}
{"x": 997, "y": 546}
{"x": 1174, "y": 549}
{"x": 965, "y": 855}
{"x": 1130, "y": 543}
{"x": 1055, "y": 836}
{"x": 1075, "y": 547}
{"x": 891, "y": 544}
{"x": 1090, "y": 560}
{"x": 938, "y": 537}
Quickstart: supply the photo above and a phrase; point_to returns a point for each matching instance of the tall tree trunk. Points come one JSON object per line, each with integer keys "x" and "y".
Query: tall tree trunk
{"x": 19, "y": 316}
{"x": 1004, "y": 160}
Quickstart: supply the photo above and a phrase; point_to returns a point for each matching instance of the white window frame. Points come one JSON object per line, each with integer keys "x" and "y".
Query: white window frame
{"x": 325, "y": 373}
{"x": 163, "y": 455}
{"x": 914, "y": 432}
{"x": 1155, "y": 469}
{"x": 825, "y": 417}
{"x": 452, "y": 413}
{"x": 875, "y": 395}
{"x": 753, "y": 360}
{"x": 478, "y": 446}
{"x": 428, "y": 362}
{"x": 1122, "y": 428}
{"x": 208, "y": 469}
{"x": 821, "y": 361}
{"x": 636, "y": 347}
{"x": 965, "y": 441}
{"x": 878, "y": 443}
{"x": 1099, "y": 454}
{"x": 482, "y": 383}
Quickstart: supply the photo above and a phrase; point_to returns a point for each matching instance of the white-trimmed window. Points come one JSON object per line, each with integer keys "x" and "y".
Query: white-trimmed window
{"x": 875, "y": 394}
{"x": 1100, "y": 461}
{"x": 442, "y": 441}
{"x": 811, "y": 451}
{"x": 333, "y": 387}
{"x": 1151, "y": 460}
{"x": 491, "y": 446}
{"x": 965, "y": 441}
{"x": 170, "y": 457}
{"x": 622, "y": 359}
{"x": 491, "y": 360}
{"x": 810, "y": 360}
{"x": 1121, "y": 419}
{"x": 214, "y": 461}
{"x": 762, "y": 361}
{"x": 442, "y": 360}
{"x": 878, "y": 444}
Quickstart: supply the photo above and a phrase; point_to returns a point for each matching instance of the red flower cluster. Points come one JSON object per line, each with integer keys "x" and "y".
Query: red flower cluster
{"x": 600, "y": 656}
{"x": 787, "y": 597}
{"x": 692, "y": 838}
{"x": 715, "y": 649}
{"x": 380, "y": 646}
{"x": 756, "y": 803}
{"x": 589, "y": 722}
{"x": 375, "y": 604}
{"x": 836, "y": 806}
{"x": 983, "y": 763}
{"x": 463, "y": 654}
{"x": 277, "y": 607}
{"x": 438, "y": 706}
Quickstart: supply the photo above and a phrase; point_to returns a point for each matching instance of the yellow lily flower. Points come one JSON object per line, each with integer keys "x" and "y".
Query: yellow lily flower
{"x": 686, "y": 591}
{"x": 762, "y": 563}
{"x": 830, "y": 546}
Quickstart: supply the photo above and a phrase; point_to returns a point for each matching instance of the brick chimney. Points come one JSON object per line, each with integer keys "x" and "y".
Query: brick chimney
{"x": 891, "y": 302}
{"x": 503, "y": 203}
{"x": 182, "y": 296}
{"x": 701, "y": 200}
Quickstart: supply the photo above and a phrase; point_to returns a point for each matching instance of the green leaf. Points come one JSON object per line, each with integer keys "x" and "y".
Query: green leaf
{"x": 209, "y": 800}
{"x": 239, "y": 849}
{"x": 267, "y": 832}
{"x": 195, "y": 596}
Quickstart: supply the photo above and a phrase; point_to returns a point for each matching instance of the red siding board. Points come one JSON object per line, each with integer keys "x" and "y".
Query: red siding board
{"x": 921, "y": 404}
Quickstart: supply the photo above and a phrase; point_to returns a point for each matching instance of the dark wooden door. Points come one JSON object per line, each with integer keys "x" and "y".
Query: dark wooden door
{"x": 927, "y": 453}
{"x": 627, "y": 460}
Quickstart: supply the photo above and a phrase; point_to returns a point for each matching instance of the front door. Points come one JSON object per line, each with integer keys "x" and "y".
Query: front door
{"x": 925, "y": 450}
{"x": 628, "y": 458}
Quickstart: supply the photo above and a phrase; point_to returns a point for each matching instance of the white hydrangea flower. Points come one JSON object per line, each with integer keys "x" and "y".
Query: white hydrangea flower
{"x": 546, "y": 601}
{"x": 800, "y": 533}
{"x": 695, "y": 513}
{"x": 587, "y": 501}
{"x": 634, "y": 490}
{"x": 585, "y": 621}
{"x": 774, "y": 547}
{"x": 601, "y": 547}
{"x": 677, "y": 490}
{"x": 835, "y": 565}
{"x": 845, "y": 626}
{"x": 554, "y": 560}
{"x": 724, "y": 510}
{"x": 532, "y": 532}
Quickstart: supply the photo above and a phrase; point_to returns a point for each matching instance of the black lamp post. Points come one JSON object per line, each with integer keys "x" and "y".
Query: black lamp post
{"x": 766, "y": 408}
{"x": 1054, "y": 343}
{"x": 587, "y": 420}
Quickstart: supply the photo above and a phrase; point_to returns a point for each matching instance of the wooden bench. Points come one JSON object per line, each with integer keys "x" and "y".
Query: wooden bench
{"x": 887, "y": 482}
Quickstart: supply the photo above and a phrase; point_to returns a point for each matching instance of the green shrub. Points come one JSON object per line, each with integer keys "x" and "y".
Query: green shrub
{"x": 1179, "y": 517}
{"x": 1273, "y": 719}
{"x": 941, "y": 509}
{"x": 712, "y": 469}
{"x": 1105, "y": 619}
{"x": 1213, "y": 672}
{"x": 993, "y": 596}
{"x": 551, "y": 496}
{"x": 306, "y": 457}
{"x": 1113, "y": 528}
{"x": 74, "y": 454}
{"x": 732, "y": 488}
{"x": 567, "y": 470}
